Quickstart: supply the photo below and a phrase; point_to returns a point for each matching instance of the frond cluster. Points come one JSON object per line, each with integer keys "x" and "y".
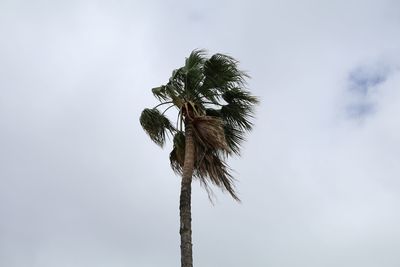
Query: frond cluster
{"x": 210, "y": 94}
{"x": 156, "y": 125}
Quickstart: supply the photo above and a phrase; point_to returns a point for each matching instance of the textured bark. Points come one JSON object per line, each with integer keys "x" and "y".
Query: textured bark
{"x": 185, "y": 199}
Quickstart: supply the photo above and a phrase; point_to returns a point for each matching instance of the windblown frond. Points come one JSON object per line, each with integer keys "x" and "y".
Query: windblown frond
{"x": 234, "y": 138}
{"x": 213, "y": 112}
{"x": 177, "y": 155}
{"x": 238, "y": 95}
{"x": 211, "y": 151}
{"x": 238, "y": 115}
{"x": 212, "y": 168}
{"x": 234, "y": 135}
{"x": 196, "y": 59}
{"x": 156, "y": 125}
{"x": 221, "y": 72}
{"x": 209, "y": 132}
{"x": 160, "y": 93}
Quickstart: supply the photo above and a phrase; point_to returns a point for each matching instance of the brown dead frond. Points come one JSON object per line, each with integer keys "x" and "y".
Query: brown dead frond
{"x": 212, "y": 168}
{"x": 209, "y": 132}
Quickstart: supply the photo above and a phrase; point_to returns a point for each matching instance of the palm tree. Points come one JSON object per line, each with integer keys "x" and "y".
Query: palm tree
{"x": 214, "y": 112}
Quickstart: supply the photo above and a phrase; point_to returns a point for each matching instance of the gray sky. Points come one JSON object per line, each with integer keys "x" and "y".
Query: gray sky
{"x": 82, "y": 185}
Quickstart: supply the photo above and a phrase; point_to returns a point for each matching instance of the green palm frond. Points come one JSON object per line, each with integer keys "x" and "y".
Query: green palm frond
{"x": 193, "y": 73}
{"x": 234, "y": 138}
{"x": 176, "y": 84}
{"x": 160, "y": 93}
{"x": 238, "y": 95}
{"x": 177, "y": 154}
{"x": 222, "y": 72}
{"x": 234, "y": 135}
{"x": 194, "y": 79}
{"x": 155, "y": 125}
{"x": 238, "y": 115}
{"x": 196, "y": 59}
{"x": 213, "y": 112}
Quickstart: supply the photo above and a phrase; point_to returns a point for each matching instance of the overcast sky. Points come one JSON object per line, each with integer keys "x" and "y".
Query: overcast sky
{"x": 81, "y": 184}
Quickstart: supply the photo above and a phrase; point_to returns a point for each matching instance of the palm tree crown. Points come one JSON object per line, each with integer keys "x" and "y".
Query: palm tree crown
{"x": 210, "y": 94}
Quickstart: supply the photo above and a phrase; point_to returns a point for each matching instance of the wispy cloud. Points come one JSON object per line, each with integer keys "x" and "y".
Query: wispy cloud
{"x": 363, "y": 84}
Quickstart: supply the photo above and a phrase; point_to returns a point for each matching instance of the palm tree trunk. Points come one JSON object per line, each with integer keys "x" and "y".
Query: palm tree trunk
{"x": 185, "y": 199}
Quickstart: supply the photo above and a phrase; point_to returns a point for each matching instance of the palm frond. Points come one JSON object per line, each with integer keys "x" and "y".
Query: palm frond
{"x": 176, "y": 82}
{"x": 194, "y": 79}
{"x": 234, "y": 138}
{"x": 192, "y": 73}
{"x": 239, "y": 95}
{"x": 177, "y": 154}
{"x": 212, "y": 169}
{"x": 168, "y": 92}
{"x": 234, "y": 135}
{"x": 238, "y": 115}
{"x": 213, "y": 112}
{"x": 221, "y": 73}
{"x": 209, "y": 132}
{"x": 196, "y": 59}
{"x": 160, "y": 93}
{"x": 155, "y": 125}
